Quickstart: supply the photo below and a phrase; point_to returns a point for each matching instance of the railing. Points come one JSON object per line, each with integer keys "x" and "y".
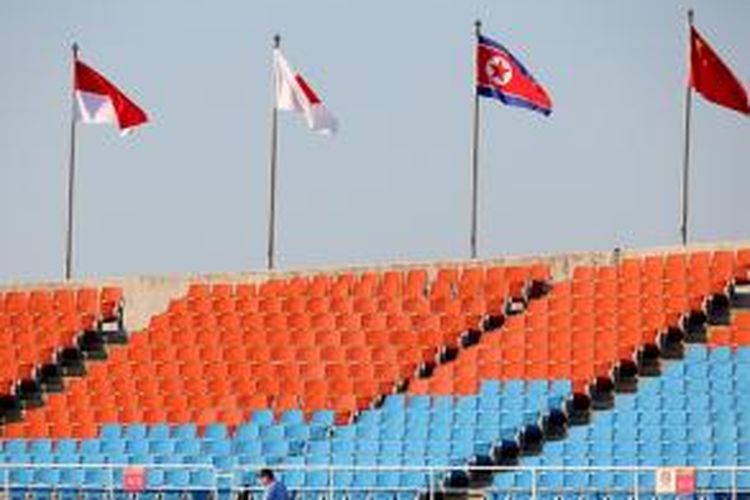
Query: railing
{"x": 335, "y": 482}
{"x": 24, "y": 477}
{"x": 528, "y": 482}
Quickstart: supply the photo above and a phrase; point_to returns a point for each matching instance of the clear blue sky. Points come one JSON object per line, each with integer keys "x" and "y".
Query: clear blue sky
{"x": 188, "y": 193}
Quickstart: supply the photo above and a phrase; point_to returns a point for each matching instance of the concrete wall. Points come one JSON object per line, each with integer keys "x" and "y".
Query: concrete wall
{"x": 146, "y": 296}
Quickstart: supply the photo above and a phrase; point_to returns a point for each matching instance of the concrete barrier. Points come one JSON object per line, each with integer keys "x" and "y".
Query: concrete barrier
{"x": 146, "y": 296}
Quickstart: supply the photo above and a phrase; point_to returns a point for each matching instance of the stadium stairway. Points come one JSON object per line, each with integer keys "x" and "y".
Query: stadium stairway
{"x": 47, "y": 335}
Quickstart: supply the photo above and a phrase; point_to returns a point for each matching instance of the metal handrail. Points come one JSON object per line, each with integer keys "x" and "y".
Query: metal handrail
{"x": 432, "y": 473}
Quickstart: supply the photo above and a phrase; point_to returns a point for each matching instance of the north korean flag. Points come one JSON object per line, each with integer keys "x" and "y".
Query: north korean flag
{"x": 502, "y": 76}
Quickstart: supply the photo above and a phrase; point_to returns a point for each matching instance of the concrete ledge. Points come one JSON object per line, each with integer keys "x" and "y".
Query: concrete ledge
{"x": 146, "y": 296}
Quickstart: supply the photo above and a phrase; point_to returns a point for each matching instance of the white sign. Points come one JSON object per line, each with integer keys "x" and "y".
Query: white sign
{"x": 666, "y": 481}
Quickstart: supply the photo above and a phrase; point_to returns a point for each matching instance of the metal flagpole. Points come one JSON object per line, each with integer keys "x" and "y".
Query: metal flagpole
{"x": 686, "y": 152}
{"x": 475, "y": 158}
{"x": 71, "y": 176}
{"x": 274, "y": 141}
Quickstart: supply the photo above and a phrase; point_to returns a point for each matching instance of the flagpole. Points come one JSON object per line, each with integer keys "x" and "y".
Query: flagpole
{"x": 272, "y": 187}
{"x": 686, "y": 151}
{"x": 475, "y": 160}
{"x": 71, "y": 175}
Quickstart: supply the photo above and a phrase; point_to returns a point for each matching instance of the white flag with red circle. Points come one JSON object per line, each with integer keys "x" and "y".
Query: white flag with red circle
{"x": 293, "y": 93}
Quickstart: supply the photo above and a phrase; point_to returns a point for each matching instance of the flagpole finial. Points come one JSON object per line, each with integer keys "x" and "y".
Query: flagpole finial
{"x": 74, "y": 48}
{"x": 690, "y": 15}
{"x": 276, "y": 41}
{"x": 478, "y": 26}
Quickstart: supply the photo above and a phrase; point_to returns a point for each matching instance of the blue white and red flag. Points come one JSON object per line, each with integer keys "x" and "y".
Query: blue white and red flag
{"x": 501, "y": 76}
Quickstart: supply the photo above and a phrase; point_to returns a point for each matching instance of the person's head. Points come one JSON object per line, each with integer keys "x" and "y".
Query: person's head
{"x": 266, "y": 477}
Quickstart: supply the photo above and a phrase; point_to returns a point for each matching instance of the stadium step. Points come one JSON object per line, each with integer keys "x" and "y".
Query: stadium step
{"x": 491, "y": 323}
{"x": 739, "y": 296}
{"x": 90, "y": 345}
{"x": 466, "y": 484}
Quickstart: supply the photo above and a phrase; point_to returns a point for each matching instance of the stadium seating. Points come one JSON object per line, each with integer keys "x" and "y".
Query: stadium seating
{"x": 695, "y": 414}
{"x": 413, "y": 431}
{"x": 35, "y": 324}
{"x": 309, "y": 344}
{"x": 413, "y": 368}
{"x": 585, "y": 326}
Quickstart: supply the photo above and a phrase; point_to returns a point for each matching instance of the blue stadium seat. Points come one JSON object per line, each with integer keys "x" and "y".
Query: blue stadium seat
{"x": 112, "y": 446}
{"x": 158, "y": 432}
{"x": 136, "y": 446}
{"x": 140, "y": 458}
{"x": 202, "y": 478}
{"x": 217, "y": 447}
{"x": 323, "y": 417}
{"x": 272, "y": 433}
{"x": 20, "y": 477}
{"x": 215, "y": 431}
{"x": 262, "y": 417}
{"x": 316, "y": 479}
{"x": 96, "y": 478}
{"x": 176, "y": 478}
{"x": 40, "y": 447}
{"x": 135, "y": 432}
{"x": 116, "y": 458}
{"x": 93, "y": 458}
{"x": 47, "y": 476}
{"x": 161, "y": 446}
{"x": 247, "y": 432}
{"x": 155, "y": 478}
{"x": 297, "y": 431}
{"x": 110, "y": 432}
{"x": 187, "y": 446}
{"x": 185, "y": 431}
{"x": 89, "y": 446}
{"x": 71, "y": 477}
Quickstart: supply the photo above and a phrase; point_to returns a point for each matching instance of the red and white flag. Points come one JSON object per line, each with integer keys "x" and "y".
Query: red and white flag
{"x": 97, "y": 100}
{"x": 713, "y": 79}
{"x": 293, "y": 93}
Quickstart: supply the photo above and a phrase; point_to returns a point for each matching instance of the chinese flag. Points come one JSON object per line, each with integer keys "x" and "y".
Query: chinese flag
{"x": 712, "y": 78}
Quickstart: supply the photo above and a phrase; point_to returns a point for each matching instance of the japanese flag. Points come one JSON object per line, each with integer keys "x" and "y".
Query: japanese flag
{"x": 293, "y": 93}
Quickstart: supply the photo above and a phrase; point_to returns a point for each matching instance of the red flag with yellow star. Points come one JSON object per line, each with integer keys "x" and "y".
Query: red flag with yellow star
{"x": 712, "y": 78}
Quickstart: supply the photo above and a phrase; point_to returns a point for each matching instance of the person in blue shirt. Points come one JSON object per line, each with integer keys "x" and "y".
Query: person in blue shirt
{"x": 275, "y": 490}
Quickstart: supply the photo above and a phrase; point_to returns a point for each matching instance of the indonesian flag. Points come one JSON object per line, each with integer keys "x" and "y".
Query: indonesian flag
{"x": 712, "y": 78}
{"x": 293, "y": 93}
{"x": 97, "y": 100}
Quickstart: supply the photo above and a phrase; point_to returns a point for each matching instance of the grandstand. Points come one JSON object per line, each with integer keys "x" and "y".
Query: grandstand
{"x": 576, "y": 376}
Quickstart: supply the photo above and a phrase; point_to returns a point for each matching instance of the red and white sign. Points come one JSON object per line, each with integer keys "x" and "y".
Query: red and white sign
{"x": 685, "y": 481}
{"x": 134, "y": 479}
{"x": 671, "y": 480}
{"x": 666, "y": 481}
